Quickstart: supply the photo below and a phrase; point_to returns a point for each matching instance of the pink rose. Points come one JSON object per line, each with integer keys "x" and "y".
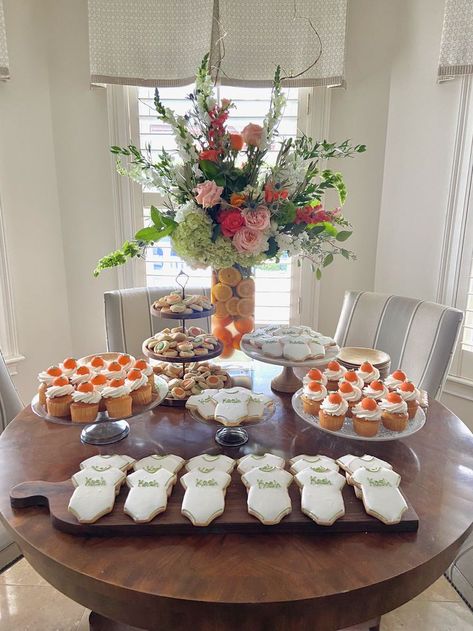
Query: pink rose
{"x": 249, "y": 241}
{"x": 258, "y": 218}
{"x": 252, "y": 134}
{"x": 208, "y": 193}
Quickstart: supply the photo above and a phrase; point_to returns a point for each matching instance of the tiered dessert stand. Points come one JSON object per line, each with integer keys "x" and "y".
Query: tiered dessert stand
{"x": 287, "y": 381}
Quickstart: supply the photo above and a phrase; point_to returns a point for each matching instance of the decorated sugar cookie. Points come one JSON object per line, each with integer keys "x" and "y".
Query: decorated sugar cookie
{"x": 380, "y": 493}
{"x": 111, "y": 475}
{"x": 155, "y": 462}
{"x": 350, "y": 464}
{"x": 219, "y": 462}
{"x": 232, "y": 405}
{"x": 251, "y": 461}
{"x": 204, "y": 499}
{"x": 297, "y": 349}
{"x": 321, "y": 492}
{"x": 272, "y": 348}
{"x": 148, "y": 495}
{"x": 318, "y": 463}
{"x": 268, "y": 497}
{"x": 203, "y": 403}
{"x": 257, "y": 405}
{"x": 95, "y": 492}
{"x": 121, "y": 462}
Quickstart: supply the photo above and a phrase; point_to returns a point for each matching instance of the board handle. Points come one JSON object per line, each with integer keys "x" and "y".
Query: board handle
{"x": 35, "y": 493}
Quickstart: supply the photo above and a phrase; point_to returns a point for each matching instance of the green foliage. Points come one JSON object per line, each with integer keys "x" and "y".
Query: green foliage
{"x": 129, "y": 250}
{"x": 343, "y": 235}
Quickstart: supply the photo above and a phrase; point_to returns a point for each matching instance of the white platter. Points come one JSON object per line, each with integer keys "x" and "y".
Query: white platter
{"x": 255, "y": 353}
{"x": 158, "y": 396}
{"x": 347, "y": 430}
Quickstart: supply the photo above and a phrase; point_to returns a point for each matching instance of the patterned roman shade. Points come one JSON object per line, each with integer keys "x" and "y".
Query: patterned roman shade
{"x": 4, "y": 71}
{"x": 161, "y": 43}
{"x": 456, "y": 48}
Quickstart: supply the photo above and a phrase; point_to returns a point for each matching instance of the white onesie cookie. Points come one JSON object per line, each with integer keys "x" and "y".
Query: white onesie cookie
{"x": 155, "y": 462}
{"x": 257, "y": 405}
{"x": 381, "y": 496}
{"x": 272, "y": 348}
{"x": 219, "y": 462}
{"x": 350, "y": 464}
{"x": 318, "y": 463}
{"x": 321, "y": 492}
{"x": 95, "y": 492}
{"x": 121, "y": 462}
{"x": 148, "y": 495}
{"x": 251, "y": 461}
{"x": 268, "y": 497}
{"x": 232, "y": 405}
{"x": 203, "y": 404}
{"x": 297, "y": 349}
{"x": 204, "y": 499}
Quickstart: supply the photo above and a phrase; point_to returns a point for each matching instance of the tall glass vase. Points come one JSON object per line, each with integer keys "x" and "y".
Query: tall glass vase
{"x": 233, "y": 294}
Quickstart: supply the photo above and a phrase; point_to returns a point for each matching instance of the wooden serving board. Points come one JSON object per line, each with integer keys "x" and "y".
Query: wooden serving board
{"x": 235, "y": 519}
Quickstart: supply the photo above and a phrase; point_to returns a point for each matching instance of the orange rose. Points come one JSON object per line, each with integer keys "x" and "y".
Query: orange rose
{"x": 209, "y": 154}
{"x": 236, "y": 142}
{"x": 237, "y": 199}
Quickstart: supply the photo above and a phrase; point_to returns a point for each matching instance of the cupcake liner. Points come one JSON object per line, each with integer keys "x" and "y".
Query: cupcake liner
{"x": 310, "y": 406}
{"x": 332, "y": 423}
{"x": 365, "y": 428}
{"x": 396, "y": 423}
{"x": 142, "y": 396}
{"x": 119, "y": 406}
{"x": 59, "y": 406}
{"x": 84, "y": 412}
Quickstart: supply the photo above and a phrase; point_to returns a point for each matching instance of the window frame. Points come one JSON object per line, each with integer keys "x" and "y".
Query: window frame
{"x": 129, "y": 199}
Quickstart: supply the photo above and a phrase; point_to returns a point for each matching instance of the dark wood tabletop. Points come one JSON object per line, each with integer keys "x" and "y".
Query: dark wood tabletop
{"x": 264, "y": 581}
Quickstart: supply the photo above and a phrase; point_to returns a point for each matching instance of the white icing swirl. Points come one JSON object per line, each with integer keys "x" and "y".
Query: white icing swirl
{"x": 78, "y": 378}
{"x": 394, "y": 408}
{"x": 335, "y": 375}
{"x": 392, "y": 382}
{"x": 67, "y": 372}
{"x": 367, "y": 415}
{"x": 368, "y": 377}
{"x": 113, "y": 374}
{"x": 334, "y": 409}
{"x": 45, "y": 377}
{"x": 355, "y": 395}
{"x": 359, "y": 383}
{"x": 96, "y": 368}
{"x": 135, "y": 384}
{"x": 409, "y": 396}
{"x": 375, "y": 394}
{"x": 322, "y": 380}
{"x": 115, "y": 392}
{"x": 59, "y": 391}
{"x": 148, "y": 371}
{"x": 315, "y": 396}
{"x": 86, "y": 397}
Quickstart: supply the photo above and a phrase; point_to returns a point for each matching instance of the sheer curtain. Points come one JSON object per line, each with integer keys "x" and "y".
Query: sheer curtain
{"x": 158, "y": 42}
{"x": 456, "y": 48}
{"x": 4, "y": 71}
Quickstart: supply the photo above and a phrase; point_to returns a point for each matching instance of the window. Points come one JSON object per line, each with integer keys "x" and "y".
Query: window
{"x": 273, "y": 296}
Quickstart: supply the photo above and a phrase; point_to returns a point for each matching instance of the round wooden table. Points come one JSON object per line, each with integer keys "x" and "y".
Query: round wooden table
{"x": 257, "y": 582}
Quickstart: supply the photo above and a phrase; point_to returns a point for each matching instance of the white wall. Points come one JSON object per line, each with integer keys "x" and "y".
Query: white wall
{"x": 360, "y": 112}
{"x": 419, "y": 149}
{"x": 55, "y": 184}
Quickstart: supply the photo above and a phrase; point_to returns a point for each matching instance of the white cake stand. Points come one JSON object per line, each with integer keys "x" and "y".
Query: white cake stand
{"x": 287, "y": 380}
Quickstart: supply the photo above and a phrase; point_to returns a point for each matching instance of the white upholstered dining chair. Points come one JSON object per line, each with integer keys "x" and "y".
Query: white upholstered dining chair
{"x": 128, "y": 320}
{"x": 10, "y": 406}
{"x": 419, "y": 336}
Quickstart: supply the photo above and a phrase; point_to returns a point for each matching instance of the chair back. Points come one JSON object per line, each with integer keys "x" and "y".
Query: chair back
{"x": 128, "y": 320}
{"x": 10, "y": 402}
{"x": 419, "y": 336}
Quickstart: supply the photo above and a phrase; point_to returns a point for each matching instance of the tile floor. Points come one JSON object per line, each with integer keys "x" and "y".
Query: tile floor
{"x": 23, "y": 594}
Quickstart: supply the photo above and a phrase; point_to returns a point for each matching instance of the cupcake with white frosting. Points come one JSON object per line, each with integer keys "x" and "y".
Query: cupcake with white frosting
{"x": 140, "y": 389}
{"x": 81, "y": 375}
{"x": 312, "y": 396}
{"x": 85, "y": 403}
{"x": 146, "y": 369}
{"x": 351, "y": 394}
{"x": 395, "y": 415}
{"x": 117, "y": 399}
{"x": 411, "y": 395}
{"x": 368, "y": 373}
{"x": 353, "y": 379}
{"x": 395, "y": 379}
{"x": 68, "y": 366}
{"x": 315, "y": 374}
{"x": 100, "y": 381}
{"x": 113, "y": 370}
{"x": 366, "y": 417}
{"x": 333, "y": 373}
{"x": 376, "y": 390}
{"x": 332, "y": 412}
{"x": 45, "y": 378}
{"x": 59, "y": 397}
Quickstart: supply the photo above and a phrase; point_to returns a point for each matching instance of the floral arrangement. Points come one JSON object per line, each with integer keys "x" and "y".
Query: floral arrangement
{"x": 226, "y": 206}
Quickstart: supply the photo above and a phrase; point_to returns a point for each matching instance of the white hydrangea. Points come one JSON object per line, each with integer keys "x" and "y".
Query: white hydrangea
{"x": 292, "y": 244}
{"x": 190, "y": 207}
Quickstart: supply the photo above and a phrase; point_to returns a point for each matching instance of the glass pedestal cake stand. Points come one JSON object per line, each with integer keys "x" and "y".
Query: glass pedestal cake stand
{"x": 233, "y": 435}
{"x": 287, "y": 381}
{"x": 104, "y": 430}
